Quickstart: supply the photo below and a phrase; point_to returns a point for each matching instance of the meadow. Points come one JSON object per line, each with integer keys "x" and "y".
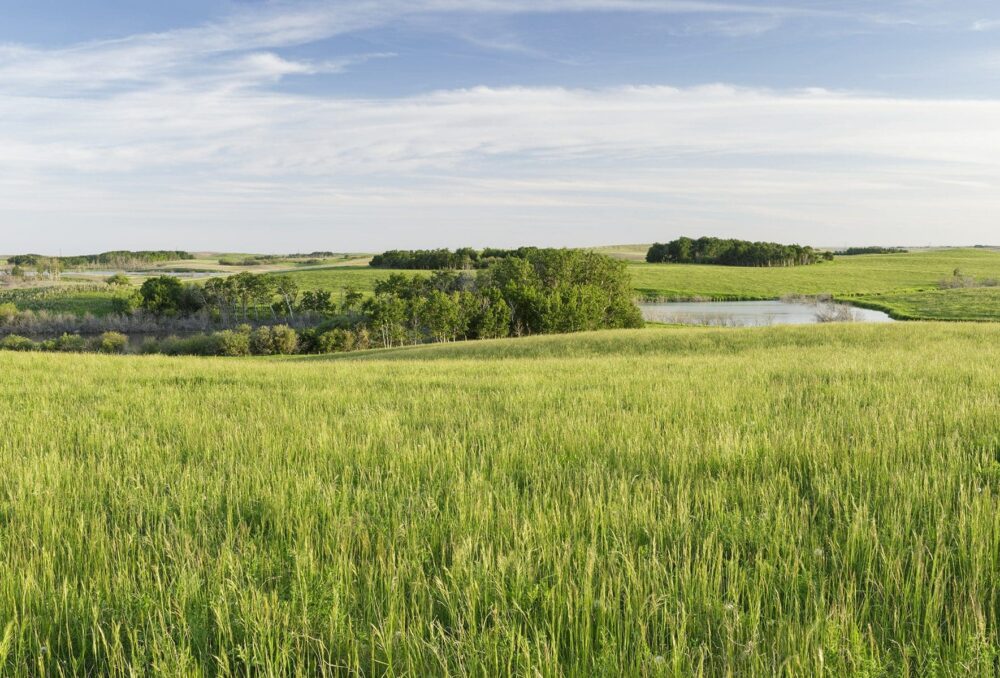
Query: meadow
{"x": 864, "y": 275}
{"x": 663, "y": 502}
{"x": 980, "y": 304}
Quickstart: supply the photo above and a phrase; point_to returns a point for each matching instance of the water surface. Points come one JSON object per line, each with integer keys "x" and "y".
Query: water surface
{"x": 756, "y": 313}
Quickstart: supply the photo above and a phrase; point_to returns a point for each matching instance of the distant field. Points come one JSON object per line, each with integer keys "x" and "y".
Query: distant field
{"x": 61, "y": 299}
{"x": 334, "y": 279}
{"x": 845, "y": 276}
{"x": 626, "y": 252}
{"x": 775, "y": 502}
{"x": 958, "y": 304}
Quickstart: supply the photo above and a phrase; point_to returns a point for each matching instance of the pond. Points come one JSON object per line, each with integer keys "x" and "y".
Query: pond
{"x": 757, "y": 313}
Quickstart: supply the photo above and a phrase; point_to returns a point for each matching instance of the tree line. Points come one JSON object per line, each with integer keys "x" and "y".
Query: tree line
{"x": 852, "y": 251}
{"x": 444, "y": 259}
{"x": 731, "y": 252}
{"x": 114, "y": 258}
{"x": 544, "y": 291}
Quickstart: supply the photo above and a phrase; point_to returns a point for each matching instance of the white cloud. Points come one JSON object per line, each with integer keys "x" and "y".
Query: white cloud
{"x": 180, "y": 136}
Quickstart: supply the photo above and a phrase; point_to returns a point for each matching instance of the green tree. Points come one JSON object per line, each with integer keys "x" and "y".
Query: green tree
{"x": 162, "y": 295}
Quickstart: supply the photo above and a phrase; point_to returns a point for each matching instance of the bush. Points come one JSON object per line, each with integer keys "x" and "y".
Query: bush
{"x": 112, "y": 342}
{"x": 126, "y": 304}
{"x": 277, "y": 340}
{"x": 150, "y": 346}
{"x": 261, "y": 341}
{"x": 233, "y": 343}
{"x": 118, "y": 280}
{"x": 69, "y": 343}
{"x": 14, "y": 342}
{"x": 335, "y": 341}
{"x": 7, "y": 312}
{"x": 284, "y": 340}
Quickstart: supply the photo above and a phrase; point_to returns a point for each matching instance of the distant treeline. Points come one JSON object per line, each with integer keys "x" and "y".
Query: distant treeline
{"x": 444, "y": 259}
{"x": 260, "y": 259}
{"x": 850, "y": 251}
{"x": 733, "y": 253}
{"x": 116, "y": 258}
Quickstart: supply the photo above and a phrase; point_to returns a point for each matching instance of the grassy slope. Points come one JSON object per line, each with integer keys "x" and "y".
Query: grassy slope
{"x": 783, "y": 501}
{"x": 958, "y": 304}
{"x": 846, "y": 276}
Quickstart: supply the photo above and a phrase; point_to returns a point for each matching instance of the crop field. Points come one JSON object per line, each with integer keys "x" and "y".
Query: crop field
{"x": 981, "y": 304}
{"x": 686, "y": 502}
{"x": 845, "y": 276}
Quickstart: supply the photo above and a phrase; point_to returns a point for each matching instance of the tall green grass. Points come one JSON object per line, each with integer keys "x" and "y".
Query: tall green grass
{"x": 784, "y": 501}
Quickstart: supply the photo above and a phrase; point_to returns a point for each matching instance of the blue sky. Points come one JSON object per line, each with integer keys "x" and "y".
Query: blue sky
{"x": 273, "y": 126}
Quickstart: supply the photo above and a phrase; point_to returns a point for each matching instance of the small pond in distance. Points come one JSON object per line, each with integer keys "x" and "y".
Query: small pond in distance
{"x": 756, "y": 313}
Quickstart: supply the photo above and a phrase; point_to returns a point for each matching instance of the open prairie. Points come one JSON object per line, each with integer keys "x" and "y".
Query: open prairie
{"x": 782, "y": 501}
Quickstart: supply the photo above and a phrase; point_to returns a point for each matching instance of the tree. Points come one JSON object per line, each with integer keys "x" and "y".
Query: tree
{"x": 288, "y": 290}
{"x": 442, "y": 316}
{"x": 386, "y": 315}
{"x": 161, "y": 296}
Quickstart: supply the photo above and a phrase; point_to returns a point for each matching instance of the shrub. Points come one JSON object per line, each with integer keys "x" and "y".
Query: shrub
{"x": 261, "y": 341}
{"x": 284, "y": 340}
{"x": 14, "y": 342}
{"x": 277, "y": 340}
{"x": 118, "y": 280}
{"x": 150, "y": 346}
{"x": 126, "y": 304}
{"x": 112, "y": 342}
{"x": 335, "y": 341}
{"x": 231, "y": 343}
{"x": 70, "y": 343}
{"x": 362, "y": 339}
{"x": 7, "y": 312}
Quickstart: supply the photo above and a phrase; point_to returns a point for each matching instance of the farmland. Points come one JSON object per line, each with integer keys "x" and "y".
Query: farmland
{"x": 785, "y": 501}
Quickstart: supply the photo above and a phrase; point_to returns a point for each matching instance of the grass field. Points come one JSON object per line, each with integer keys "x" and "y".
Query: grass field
{"x": 785, "y": 501}
{"x": 336, "y": 278}
{"x": 980, "y": 304}
{"x": 845, "y": 276}
{"x": 67, "y": 298}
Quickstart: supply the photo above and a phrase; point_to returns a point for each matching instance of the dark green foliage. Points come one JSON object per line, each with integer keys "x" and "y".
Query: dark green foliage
{"x": 430, "y": 260}
{"x": 851, "y": 251}
{"x": 551, "y": 291}
{"x": 733, "y": 253}
{"x": 162, "y": 295}
{"x": 118, "y": 258}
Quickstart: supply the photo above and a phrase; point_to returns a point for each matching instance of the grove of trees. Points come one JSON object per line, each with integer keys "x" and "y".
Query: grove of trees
{"x": 733, "y": 253}
{"x": 117, "y": 258}
{"x": 852, "y": 251}
{"x": 542, "y": 291}
{"x": 444, "y": 259}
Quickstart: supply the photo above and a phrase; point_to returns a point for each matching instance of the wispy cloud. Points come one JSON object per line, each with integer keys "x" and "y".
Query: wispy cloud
{"x": 185, "y": 129}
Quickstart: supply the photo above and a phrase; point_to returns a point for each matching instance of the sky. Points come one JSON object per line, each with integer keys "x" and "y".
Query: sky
{"x": 363, "y": 125}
